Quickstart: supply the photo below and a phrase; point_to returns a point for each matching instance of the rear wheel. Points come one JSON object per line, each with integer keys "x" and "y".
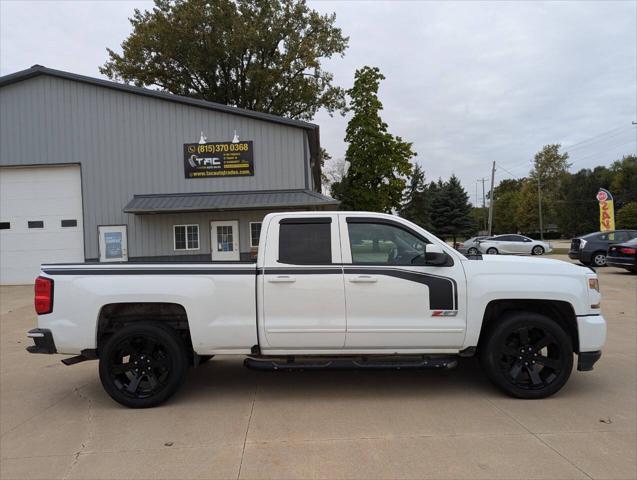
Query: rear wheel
{"x": 537, "y": 250}
{"x": 492, "y": 251}
{"x": 599, "y": 259}
{"x": 472, "y": 251}
{"x": 143, "y": 364}
{"x": 527, "y": 355}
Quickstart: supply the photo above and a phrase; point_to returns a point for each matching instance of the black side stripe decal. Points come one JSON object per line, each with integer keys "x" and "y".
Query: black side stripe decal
{"x": 149, "y": 271}
{"x": 443, "y": 292}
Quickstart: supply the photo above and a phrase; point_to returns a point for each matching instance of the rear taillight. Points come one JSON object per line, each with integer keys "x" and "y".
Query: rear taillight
{"x": 628, "y": 250}
{"x": 43, "y": 295}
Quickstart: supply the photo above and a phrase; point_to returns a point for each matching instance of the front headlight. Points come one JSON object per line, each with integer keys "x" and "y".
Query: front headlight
{"x": 582, "y": 243}
{"x": 593, "y": 284}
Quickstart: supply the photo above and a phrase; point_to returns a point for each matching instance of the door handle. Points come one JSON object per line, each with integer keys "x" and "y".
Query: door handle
{"x": 282, "y": 279}
{"x": 363, "y": 279}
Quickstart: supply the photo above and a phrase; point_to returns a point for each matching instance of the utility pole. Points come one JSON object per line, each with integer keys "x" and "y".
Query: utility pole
{"x": 539, "y": 200}
{"x": 484, "y": 220}
{"x": 491, "y": 200}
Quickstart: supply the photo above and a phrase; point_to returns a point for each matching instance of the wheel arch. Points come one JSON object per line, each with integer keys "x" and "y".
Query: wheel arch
{"x": 114, "y": 316}
{"x": 559, "y": 311}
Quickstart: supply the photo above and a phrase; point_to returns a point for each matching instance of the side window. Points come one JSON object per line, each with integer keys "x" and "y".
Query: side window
{"x": 255, "y": 234}
{"x": 305, "y": 243}
{"x": 383, "y": 244}
{"x": 621, "y": 236}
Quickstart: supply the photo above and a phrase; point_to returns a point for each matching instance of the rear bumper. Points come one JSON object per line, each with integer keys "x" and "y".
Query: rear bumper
{"x": 574, "y": 255}
{"x": 586, "y": 360}
{"x": 43, "y": 341}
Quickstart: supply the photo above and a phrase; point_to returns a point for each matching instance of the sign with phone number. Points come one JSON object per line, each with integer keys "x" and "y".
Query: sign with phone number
{"x": 218, "y": 159}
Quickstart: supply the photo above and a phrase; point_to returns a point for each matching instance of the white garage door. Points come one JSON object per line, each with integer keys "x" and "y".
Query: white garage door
{"x": 40, "y": 220}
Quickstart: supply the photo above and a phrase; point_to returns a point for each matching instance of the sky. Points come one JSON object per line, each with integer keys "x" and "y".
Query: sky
{"x": 467, "y": 82}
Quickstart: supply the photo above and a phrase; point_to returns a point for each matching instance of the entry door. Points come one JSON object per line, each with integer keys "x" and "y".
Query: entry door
{"x": 392, "y": 300}
{"x": 224, "y": 241}
{"x": 113, "y": 243}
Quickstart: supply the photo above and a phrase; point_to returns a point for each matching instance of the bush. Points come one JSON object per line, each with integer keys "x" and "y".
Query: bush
{"x": 627, "y": 216}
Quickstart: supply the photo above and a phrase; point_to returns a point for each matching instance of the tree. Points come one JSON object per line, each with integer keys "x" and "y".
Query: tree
{"x": 507, "y": 198}
{"x": 624, "y": 183}
{"x": 416, "y": 202}
{"x": 263, "y": 55}
{"x": 378, "y": 161}
{"x": 550, "y": 168}
{"x": 627, "y": 216}
{"x": 332, "y": 172}
{"x": 452, "y": 215}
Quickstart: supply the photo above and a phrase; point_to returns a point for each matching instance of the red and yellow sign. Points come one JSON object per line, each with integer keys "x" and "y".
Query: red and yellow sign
{"x": 606, "y": 210}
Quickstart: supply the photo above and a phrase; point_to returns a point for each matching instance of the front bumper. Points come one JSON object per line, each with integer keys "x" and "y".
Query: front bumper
{"x": 43, "y": 341}
{"x": 586, "y": 360}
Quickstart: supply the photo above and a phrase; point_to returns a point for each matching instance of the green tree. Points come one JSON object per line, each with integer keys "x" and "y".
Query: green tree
{"x": 624, "y": 183}
{"x": 416, "y": 207}
{"x": 452, "y": 212}
{"x": 550, "y": 168}
{"x": 578, "y": 211}
{"x": 378, "y": 161}
{"x": 507, "y": 199}
{"x": 627, "y": 216}
{"x": 264, "y": 55}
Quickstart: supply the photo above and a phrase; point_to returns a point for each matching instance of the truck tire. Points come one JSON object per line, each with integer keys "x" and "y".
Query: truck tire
{"x": 143, "y": 364}
{"x": 527, "y": 355}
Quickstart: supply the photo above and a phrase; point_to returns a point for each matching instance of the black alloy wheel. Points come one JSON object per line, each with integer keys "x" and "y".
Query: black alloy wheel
{"x": 142, "y": 364}
{"x": 528, "y": 355}
{"x": 538, "y": 250}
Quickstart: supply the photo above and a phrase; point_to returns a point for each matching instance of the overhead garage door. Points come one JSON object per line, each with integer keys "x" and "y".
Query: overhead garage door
{"x": 40, "y": 220}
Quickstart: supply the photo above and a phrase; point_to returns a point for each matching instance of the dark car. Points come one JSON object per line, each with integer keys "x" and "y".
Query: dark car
{"x": 591, "y": 249}
{"x": 623, "y": 255}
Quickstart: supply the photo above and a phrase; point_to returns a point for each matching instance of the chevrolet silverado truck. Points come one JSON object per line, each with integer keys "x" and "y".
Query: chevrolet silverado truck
{"x": 328, "y": 290}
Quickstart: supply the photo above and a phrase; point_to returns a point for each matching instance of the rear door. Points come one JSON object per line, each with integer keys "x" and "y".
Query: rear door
{"x": 302, "y": 295}
{"x": 391, "y": 302}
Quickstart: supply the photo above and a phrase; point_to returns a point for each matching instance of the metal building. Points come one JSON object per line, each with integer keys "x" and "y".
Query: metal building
{"x": 92, "y": 170}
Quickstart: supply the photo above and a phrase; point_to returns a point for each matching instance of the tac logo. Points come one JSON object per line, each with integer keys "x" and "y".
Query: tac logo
{"x": 192, "y": 149}
{"x": 602, "y": 196}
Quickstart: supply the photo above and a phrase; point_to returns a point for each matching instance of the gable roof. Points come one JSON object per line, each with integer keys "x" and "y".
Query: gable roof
{"x": 311, "y": 128}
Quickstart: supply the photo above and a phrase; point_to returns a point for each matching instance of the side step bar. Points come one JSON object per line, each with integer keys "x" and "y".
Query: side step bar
{"x": 396, "y": 363}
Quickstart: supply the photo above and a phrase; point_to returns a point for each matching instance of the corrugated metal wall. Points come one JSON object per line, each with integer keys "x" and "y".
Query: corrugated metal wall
{"x": 129, "y": 144}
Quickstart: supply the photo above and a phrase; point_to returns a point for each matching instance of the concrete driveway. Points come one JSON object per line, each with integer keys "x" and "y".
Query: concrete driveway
{"x": 230, "y": 422}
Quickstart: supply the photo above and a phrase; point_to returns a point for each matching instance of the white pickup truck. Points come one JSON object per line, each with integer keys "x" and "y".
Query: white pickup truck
{"x": 328, "y": 290}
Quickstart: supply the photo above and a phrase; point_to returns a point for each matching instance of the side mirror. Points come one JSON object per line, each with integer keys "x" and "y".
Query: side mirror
{"x": 435, "y": 255}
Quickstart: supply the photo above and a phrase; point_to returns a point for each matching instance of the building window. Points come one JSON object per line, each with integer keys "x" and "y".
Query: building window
{"x": 255, "y": 234}
{"x": 186, "y": 237}
{"x": 69, "y": 223}
{"x": 305, "y": 243}
{"x": 5, "y": 225}
{"x": 35, "y": 224}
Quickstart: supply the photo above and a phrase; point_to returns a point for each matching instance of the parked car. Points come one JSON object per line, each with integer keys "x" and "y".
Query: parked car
{"x": 513, "y": 244}
{"x": 623, "y": 255}
{"x": 470, "y": 246}
{"x": 591, "y": 249}
{"x": 329, "y": 290}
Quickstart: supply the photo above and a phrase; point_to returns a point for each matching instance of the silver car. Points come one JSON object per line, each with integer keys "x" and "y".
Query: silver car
{"x": 513, "y": 244}
{"x": 470, "y": 246}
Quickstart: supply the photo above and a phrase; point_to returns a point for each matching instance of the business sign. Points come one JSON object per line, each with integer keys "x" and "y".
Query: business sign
{"x": 113, "y": 241}
{"x": 218, "y": 159}
{"x": 606, "y": 210}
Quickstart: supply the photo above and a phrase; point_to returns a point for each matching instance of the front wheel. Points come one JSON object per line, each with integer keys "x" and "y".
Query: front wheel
{"x": 527, "y": 355}
{"x": 472, "y": 251}
{"x": 492, "y": 251}
{"x": 537, "y": 250}
{"x": 143, "y": 364}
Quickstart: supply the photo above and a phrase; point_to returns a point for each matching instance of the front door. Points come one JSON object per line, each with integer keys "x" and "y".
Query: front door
{"x": 224, "y": 241}
{"x": 392, "y": 300}
{"x": 113, "y": 243}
